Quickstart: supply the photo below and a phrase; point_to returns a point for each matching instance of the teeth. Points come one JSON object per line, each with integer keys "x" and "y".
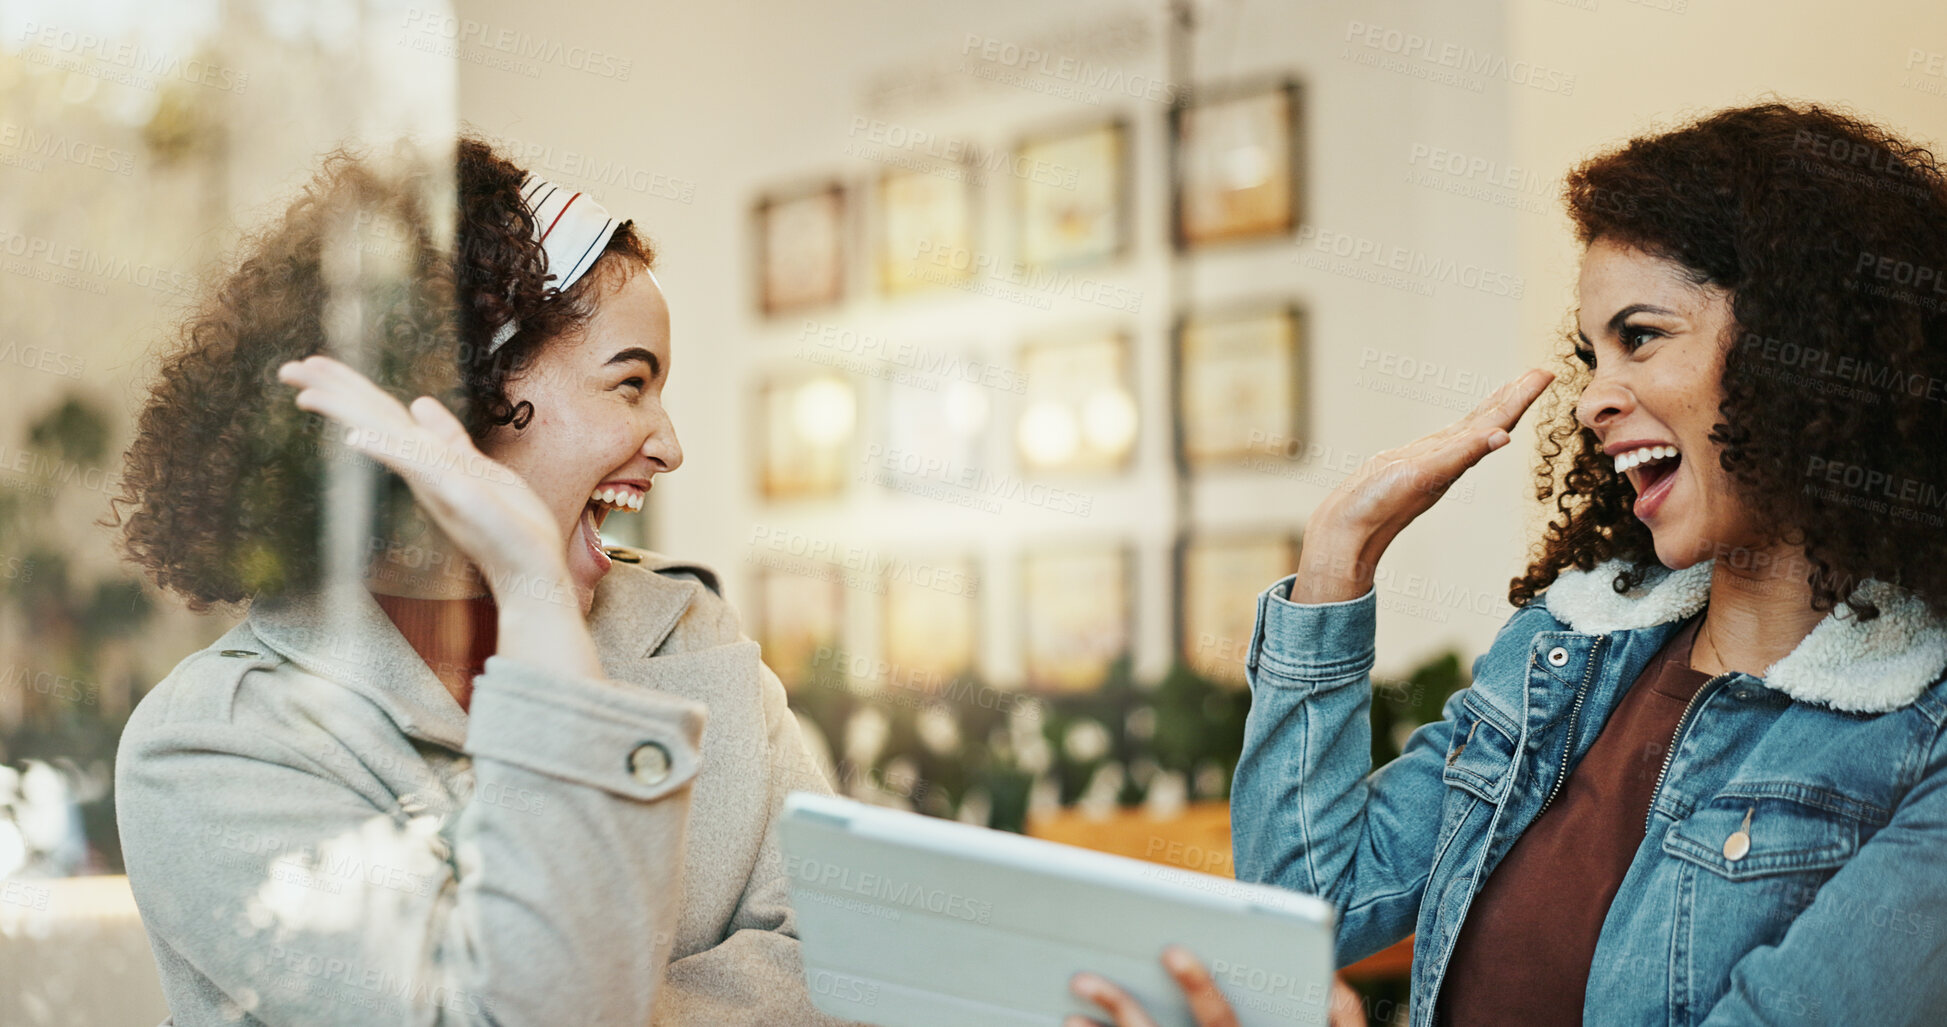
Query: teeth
{"x": 619, "y": 498}
{"x": 1638, "y": 457}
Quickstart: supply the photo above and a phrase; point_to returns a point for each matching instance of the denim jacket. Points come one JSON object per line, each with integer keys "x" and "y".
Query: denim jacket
{"x": 1829, "y": 909}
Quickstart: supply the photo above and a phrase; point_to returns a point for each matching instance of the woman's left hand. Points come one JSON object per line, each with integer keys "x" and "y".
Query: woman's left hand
{"x": 1207, "y": 1004}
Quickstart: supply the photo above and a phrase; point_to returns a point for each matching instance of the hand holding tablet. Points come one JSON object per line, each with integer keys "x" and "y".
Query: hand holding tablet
{"x": 908, "y": 920}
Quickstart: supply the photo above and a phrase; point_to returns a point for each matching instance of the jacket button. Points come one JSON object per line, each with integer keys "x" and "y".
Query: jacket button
{"x": 238, "y": 652}
{"x": 1558, "y": 657}
{"x": 649, "y": 763}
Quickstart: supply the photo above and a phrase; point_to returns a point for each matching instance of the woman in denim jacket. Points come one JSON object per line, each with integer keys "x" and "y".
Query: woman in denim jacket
{"x": 1748, "y": 496}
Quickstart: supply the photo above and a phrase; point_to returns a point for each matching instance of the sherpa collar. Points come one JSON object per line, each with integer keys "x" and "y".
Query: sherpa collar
{"x": 1845, "y": 663}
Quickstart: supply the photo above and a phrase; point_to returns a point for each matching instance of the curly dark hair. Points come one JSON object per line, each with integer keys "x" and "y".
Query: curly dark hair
{"x": 1830, "y": 235}
{"x": 225, "y": 475}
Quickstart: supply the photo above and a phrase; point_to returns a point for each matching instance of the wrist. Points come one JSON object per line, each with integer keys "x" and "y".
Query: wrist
{"x": 1336, "y": 565}
{"x": 548, "y": 634}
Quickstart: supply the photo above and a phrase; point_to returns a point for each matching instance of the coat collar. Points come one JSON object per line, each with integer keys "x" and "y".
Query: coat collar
{"x": 342, "y": 635}
{"x": 1845, "y": 663}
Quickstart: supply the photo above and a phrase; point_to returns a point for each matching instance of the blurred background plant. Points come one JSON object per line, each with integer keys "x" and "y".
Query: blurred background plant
{"x": 973, "y": 752}
{"x": 72, "y": 686}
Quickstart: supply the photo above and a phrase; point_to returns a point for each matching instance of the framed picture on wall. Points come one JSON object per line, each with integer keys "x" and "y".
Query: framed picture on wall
{"x": 800, "y": 249}
{"x": 1217, "y": 584}
{"x": 799, "y": 616}
{"x": 1073, "y": 201}
{"x": 1078, "y": 412}
{"x": 806, "y": 424}
{"x": 1240, "y": 383}
{"x": 932, "y": 619}
{"x": 934, "y": 427}
{"x": 1236, "y": 162}
{"x": 1078, "y": 609}
{"x": 926, "y": 228}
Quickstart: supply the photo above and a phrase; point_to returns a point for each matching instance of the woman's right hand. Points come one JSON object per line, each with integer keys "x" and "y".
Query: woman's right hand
{"x": 492, "y": 514}
{"x": 489, "y": 512}
{"x": 1352, "y": 528}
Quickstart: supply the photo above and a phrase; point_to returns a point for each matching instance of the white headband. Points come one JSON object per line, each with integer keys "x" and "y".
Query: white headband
{"x": 572, "y": 230}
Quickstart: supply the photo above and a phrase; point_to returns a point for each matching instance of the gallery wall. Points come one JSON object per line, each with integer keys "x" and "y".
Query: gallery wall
{"x": 723, "y": 107}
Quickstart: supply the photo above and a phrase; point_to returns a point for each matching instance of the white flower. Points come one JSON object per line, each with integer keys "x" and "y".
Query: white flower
{"x": 1087, "y": 741}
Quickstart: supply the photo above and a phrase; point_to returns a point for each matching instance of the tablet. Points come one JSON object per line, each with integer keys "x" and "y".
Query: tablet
{"x": 912, "y": 921}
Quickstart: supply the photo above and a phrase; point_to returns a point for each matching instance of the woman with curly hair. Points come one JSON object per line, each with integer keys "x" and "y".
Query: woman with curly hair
{"x": 1700, "y": 776}
{"x": 460, "y": 775}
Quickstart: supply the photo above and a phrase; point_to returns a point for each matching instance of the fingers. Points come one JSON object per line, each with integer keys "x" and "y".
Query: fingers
{"x": 1510, "y": 401}
{"x": 1348, "y": 1009}
{"x": 1119, "y": 1004}
{"x": 1207, "y": 1004}
{"x": 434, "y": 417}
{"x": 375, "y": 424}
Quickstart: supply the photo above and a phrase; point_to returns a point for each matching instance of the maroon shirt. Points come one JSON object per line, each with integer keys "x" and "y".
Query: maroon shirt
{"x": 453, "y": 636}
{"x": 1525, "y": 949}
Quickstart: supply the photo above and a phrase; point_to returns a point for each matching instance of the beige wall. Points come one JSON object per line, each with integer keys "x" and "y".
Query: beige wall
{"x": 737, "y": 99}
{"x": 720, "y": 102}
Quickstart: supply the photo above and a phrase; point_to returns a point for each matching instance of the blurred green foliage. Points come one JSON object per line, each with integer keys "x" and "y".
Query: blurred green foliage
{"x": 1184, "y": 725}
{"x": 72, "y": 620}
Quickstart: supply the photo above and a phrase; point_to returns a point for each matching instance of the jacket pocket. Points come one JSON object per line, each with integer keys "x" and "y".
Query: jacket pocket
{"x": 1739, "y": 837}
{"x": 1480, "y": 755}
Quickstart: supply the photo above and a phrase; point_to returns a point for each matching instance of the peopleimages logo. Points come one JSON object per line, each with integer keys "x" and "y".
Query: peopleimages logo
{"x": 998, "y": 53}
{"x": 142, "y": 64}
{"x": 514, "y": 43}
{"x": 55, "y": 146}
{"x": 1411, "y": 46}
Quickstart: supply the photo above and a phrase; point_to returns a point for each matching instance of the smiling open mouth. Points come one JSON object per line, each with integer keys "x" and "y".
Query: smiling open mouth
{"x": 1652, "y": 470}
{"x": 606, "y": 499}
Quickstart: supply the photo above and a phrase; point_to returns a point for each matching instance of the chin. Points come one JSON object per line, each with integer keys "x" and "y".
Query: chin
{"x": 1678, "y": 549}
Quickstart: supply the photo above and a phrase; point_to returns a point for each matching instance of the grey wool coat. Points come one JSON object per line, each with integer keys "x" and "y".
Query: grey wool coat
{"x": 317, "y": 834}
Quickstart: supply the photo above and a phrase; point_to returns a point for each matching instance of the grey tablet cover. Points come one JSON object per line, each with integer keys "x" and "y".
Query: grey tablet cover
{"x": 912, "y": 921}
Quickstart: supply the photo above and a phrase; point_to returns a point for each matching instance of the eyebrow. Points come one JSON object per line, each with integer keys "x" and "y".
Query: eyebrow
{"x": 1616, "y": 320}
{"x": 638, "y": 353}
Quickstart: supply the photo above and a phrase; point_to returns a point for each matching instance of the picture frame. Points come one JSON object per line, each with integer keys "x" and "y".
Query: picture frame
{"x": 1236, "y": 160}
{"x": 933, "y": 426}
{"x": 806, "y": 426}
{"x": 1218, "y": 580}
{"x": 796, "y": 614}
{"x": 1072, "y": 207}
{"x": 931, "y": 619}
{"x": 1078, "y": 605}
{"x": 800, "y": 242}
{"x": 1078, "y": 412}
{"x": 925, "y": 228}
{"x": 1240, "y": 382}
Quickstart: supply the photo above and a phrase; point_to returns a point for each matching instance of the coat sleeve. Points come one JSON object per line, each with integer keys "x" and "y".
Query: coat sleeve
{"x": 755, "y": 976}
{"x": 1308, "y": 812}
{"x": 291, "y": 894}
{"x": 1872, "y": 946}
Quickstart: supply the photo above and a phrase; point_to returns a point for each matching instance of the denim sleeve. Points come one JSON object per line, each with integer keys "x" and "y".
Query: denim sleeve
{"x": 1871, "y": 946}
{"x": 1307, "y": 811}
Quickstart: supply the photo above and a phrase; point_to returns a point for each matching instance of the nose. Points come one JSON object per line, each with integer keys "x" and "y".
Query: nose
{"x": 662, "y": 445}
{"x": 1602, "y": 403}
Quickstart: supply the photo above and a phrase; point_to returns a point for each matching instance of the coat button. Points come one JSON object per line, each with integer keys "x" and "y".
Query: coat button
{"x": 238, "y": 652}
{"x": 1558, "y": 657}
{"x": 649, "y": 763}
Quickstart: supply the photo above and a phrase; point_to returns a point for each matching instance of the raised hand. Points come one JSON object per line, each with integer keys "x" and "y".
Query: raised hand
{"x": 489, "y": 512}
{"x": 1353, "y": 526}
